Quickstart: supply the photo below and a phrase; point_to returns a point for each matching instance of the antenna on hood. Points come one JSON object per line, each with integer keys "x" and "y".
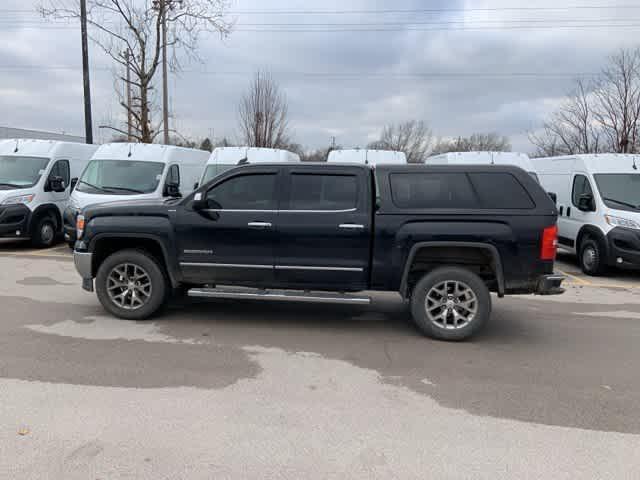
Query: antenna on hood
{"x": 130, "y": 147}
{"x": 17, "y": 146}
{"x": 635, "y": 167}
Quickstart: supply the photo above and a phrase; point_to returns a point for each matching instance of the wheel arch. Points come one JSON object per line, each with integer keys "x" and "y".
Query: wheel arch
{"x": 594, "y": 232}
{"x": 105, "y": 244}
{"x": 487, "y": 248}
{"x": 50, "y": 209}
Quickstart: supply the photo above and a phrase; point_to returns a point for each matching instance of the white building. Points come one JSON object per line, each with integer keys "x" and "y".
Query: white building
{"x": 8, "y": 132}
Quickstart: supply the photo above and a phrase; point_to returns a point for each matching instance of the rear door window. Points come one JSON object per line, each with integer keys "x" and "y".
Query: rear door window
{"x": 323, "y": 192}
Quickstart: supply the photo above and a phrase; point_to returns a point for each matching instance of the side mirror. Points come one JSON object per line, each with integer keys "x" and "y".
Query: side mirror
{"x": 553, "y": 197}
{"x": 199, "y": 202}
{"x": 585, "y": 203}
{"x": 56, "y": 184}
{"x": 172, "y": 190}
{"x": 74, "y": 182}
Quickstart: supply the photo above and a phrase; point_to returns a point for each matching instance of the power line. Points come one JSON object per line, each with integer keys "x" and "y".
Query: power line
{"x": 337, "y": 29}
{"x": 354, "y": 75}
{"x": 413, "y": 10}
{"x": 344, "y": 24}
{"x": 430, "y": 10}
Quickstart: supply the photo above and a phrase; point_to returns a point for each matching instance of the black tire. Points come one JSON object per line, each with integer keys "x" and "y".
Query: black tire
{"x": 437, "y": 329}
{"x": 159, "y": 285}
{"x": 44, "y": 232}
{"x": 591, "y": 257}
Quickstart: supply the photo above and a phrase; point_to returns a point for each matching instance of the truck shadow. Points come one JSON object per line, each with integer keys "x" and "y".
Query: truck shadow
{"x": 388, "y": 317}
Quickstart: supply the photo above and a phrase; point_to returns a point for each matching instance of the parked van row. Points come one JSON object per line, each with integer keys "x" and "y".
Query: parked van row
{"x": 45, "y": 184}
{"x": 36, "y": 180}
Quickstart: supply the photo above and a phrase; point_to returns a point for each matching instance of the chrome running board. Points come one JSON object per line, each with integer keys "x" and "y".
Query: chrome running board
{"x": 278, "y": 295}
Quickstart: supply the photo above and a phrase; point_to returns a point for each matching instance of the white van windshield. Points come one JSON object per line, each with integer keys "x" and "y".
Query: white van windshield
{"x": 619, "y": 190}
{"x": 212, "y": 171}
{"x": 20, "y": 172}
{"x": 120, "y": 177}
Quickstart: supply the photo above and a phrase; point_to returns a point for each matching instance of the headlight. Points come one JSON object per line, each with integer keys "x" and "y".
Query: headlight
{"x": 622, "y": 222}
{"x": 20, "y": 199}
{"x": 79, "y": 226}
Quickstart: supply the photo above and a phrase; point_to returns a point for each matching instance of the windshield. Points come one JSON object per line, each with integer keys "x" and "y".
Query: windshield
{"x": 619, "y": 190}
{"x": 212, "y": 171}
{"x": 120, "y": 177}
{"x": 20, "y": 172}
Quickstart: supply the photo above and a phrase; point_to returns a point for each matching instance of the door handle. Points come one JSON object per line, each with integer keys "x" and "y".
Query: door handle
{"x": 259, "y": 225}
{"x": 351, "y": 226}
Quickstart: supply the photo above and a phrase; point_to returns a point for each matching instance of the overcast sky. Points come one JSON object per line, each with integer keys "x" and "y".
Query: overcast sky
{"x": 460, "y": 78}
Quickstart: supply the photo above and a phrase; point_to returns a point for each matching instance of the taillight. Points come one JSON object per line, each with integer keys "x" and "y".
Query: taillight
{"x": 549, "y": 245}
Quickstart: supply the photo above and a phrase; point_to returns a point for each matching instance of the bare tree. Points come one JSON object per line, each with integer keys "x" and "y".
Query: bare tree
{"x": 135, "y": 27}
{"x": 413, "y": 137}
{"x": 602, "y": 115}
{"x": 617, "y": 98}
{"x": 571, "y": 128}
{"x": 477, "y": 142}
{"x": 263, "y": 113}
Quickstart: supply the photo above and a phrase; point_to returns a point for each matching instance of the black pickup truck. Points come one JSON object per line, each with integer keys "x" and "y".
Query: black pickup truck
{"x": 441, "y": 236}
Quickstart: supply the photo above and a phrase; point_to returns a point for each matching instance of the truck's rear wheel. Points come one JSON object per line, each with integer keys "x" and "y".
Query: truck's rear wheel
{"x": 131, "y": 285}
{"x": 450, "y": 303}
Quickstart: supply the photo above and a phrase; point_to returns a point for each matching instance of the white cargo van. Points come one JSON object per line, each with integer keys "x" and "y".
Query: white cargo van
{"x": 134, "y": 171}
{"x": 225, "y": 158}
{"x": 36, "y": 180}
{"x": 598, "y": 199}
{"x": 367, "y": 157}
{"x": 521, "y": 160}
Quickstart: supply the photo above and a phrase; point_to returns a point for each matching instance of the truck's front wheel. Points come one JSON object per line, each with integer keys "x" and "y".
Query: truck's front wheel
{"x": 131, "y": 285}
{"x": 450, "y": 303}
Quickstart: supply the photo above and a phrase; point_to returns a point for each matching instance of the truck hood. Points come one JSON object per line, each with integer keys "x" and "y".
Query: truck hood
{"x": 152, "y": 207}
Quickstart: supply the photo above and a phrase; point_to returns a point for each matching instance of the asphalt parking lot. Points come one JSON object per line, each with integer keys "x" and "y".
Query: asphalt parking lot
{"x": 223, "y": 389}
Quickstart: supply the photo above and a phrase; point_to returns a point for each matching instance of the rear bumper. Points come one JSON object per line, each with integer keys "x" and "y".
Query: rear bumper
{"x": 14, "y": 221}
{"x": 84, "y": 265}
{"x": 550, "y": 285}
{"x": 624, "y": 248}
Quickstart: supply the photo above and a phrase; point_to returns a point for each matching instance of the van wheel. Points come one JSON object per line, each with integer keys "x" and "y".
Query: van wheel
{"x": 131, "y": 285}
{"x": 591, "y": 258}
{"x": 44, "y": 232}
{"x": 450, "y": 303}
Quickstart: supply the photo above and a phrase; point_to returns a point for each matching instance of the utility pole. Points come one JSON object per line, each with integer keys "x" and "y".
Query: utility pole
{"x": 129, "y": 106}
{"x": 165, "y": 79}
{"x": 88, "y": 122}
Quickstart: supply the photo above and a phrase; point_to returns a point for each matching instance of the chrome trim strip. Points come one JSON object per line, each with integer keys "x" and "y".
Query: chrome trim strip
{"x": 218, "y": 210}
{"x": 225, "y": 265}
{"x": 277, "y": 267}
{"x": 327, "y": 269}
{"x": 351, "y": 226}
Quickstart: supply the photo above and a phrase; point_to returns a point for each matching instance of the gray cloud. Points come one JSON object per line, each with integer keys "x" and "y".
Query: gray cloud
{"x": 370, "y": 78}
